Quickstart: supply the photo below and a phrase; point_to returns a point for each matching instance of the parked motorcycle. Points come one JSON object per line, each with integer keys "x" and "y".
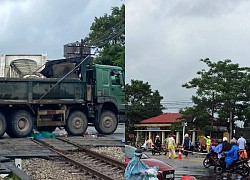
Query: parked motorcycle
{"x": 240, "y": 167}
{"x": 196, "y": 147}
{"x": 157, "y": 149}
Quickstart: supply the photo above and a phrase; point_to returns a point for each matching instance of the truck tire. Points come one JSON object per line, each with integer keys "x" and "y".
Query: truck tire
{"x": 107, "y": 124}
{"x": 21, "y": 124}
{"x": 3, "y": 125}
{"x": 77, "y": 123}
{"x": 46, "y": 128}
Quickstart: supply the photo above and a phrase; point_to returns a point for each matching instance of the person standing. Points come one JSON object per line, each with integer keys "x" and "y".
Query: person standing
{"x": 186, "y": 144}
{"x": 242, "y": 142}
{"x": 208, "y": 143}
{"x": 150, "y": 143}
{"x": 166, "y": 145}
{"x": 171, "y": 147}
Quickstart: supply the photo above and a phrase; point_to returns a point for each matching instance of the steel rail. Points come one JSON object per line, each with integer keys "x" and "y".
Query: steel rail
{"x": 95, "y": 154}
{"x": 92, "y": 171}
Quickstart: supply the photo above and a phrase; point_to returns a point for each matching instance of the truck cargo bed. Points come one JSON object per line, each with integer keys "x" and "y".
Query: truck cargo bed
{"x": 40, "y": 91}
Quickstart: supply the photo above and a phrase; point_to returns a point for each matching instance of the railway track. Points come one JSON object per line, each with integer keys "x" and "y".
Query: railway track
{"x": 87, "y": 163}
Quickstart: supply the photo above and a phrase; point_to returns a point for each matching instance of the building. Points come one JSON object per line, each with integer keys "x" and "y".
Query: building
{"x": 159, "y": 125}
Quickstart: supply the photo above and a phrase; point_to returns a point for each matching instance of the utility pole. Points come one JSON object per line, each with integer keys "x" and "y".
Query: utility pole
{"x": 231, "y": 124}
{"x": 212, "y": 122}
{"x": 183, "y": 131}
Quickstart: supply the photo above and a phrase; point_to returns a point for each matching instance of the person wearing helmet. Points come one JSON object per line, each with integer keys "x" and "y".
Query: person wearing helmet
{"x": 225, "y": 145}
{"x": 218, "y": 148}
{"x": 186, "y": 144}
{"x": 158, "y": 141}
{"x": 208, "y": 143}
{"x": 171, "y": 147}
{"x": 137, "y": 169}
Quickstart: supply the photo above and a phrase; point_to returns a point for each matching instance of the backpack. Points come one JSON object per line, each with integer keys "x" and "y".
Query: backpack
{"x": 242, "y": 154}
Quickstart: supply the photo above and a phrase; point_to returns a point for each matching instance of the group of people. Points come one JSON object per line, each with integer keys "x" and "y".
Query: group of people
{"x": 169, "y": 142}
{"x": 229, "y": 149}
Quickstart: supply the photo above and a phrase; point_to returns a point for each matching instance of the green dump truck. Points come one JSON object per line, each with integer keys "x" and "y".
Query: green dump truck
{"x": 73, "y": 94}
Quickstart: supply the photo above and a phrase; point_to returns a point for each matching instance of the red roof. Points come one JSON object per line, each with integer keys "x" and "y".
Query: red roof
{"x": 163, "y": 118}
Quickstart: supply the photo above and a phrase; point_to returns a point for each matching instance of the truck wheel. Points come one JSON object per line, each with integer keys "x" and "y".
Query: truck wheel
{"x": 77, "y": 123}
{"x": 3, "y": 125}
{"x": 107, "y": 124}
{"x": 21, "y": 124}
{"x": 46, "y": 128}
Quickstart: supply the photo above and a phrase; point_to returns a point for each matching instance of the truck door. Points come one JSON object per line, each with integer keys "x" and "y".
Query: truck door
{"x": 118, "y": 87}
{"x": 105, "y": 82}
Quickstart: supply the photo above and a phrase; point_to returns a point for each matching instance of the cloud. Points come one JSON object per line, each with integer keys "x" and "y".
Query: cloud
{"x": 165, "y": 40}
{"x": 44, "y": 26}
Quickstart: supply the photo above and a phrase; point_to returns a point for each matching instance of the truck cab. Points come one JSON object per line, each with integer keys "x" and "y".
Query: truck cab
{"x": 109, "y": 96}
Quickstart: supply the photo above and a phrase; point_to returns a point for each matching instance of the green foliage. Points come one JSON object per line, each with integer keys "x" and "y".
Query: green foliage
{"x": 224, "y": 87}
{"x": 176, "y": 126}
{"x": 141, "y": 103}
{"x": 112, "y": 55}
{"x": 12, "y": 177}
{"x": 107, "y": 33}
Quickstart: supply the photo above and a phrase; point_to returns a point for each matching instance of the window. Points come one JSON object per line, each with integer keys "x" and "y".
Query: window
{"x": 115, "y": 78}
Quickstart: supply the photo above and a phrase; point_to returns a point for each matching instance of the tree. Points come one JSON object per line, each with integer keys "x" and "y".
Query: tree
{"x": 141, "y": 103}
{"x": 108, "y": 35}
{"x": 222, "y": 89}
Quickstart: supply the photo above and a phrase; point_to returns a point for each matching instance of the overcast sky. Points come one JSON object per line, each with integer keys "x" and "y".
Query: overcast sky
{"x": 44, "y": 26}
{"x": 165, "y": 39}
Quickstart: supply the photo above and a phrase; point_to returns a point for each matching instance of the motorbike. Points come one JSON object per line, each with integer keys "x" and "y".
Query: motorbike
{"x": 240, "y": 167}
{"x": 157, "y": 149}
{"x": 195, "y": 147}
{"x": 211, "y": 159}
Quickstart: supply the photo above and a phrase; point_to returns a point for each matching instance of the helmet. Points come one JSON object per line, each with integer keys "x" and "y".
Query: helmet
{"x": 220, "y": 141}
{"x": 225, "y": 139}
{"x": 157, "y": 136}
{"x": 138, "y": 153}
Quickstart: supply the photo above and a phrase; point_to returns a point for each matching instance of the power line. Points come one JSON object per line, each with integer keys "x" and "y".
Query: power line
{"x": 108, "y": 34}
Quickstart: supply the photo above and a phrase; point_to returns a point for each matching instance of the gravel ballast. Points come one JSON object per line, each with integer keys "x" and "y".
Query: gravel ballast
{"x": 41, "y": 169}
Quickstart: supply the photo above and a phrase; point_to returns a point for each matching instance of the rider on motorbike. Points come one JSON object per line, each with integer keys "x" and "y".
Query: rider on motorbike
{"x": 158, "y": 142}
{"x": 231, "y": 155}
{"x": 218, "y": 148}
{"x": 225, "y": 145}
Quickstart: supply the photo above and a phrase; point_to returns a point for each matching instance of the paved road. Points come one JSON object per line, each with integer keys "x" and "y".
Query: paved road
{"x": 119, "y": 134}
{"x": 192, "y": 165}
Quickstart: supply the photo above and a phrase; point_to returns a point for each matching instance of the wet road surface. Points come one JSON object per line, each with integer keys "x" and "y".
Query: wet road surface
{"x": 192, "y": 165}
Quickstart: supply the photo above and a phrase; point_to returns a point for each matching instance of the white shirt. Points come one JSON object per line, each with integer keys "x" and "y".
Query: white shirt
{"x": 241, "y": 142}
